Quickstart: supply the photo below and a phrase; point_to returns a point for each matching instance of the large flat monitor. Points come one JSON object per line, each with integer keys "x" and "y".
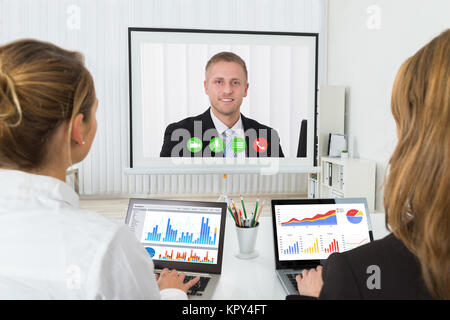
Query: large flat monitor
{"x": 179, "y": 108}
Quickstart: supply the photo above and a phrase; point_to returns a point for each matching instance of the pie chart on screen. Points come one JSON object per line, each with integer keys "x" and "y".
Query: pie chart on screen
{"x": 150, "y": 251}
{"x": 354, "y": 216}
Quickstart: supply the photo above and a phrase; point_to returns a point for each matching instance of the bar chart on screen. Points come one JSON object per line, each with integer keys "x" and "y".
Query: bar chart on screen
{"x": 312, "y": 245}
{"x": 187, "y": 229}
{"x": 305, "y": 245}
{"x": 312, "y": 249}
{"x": 185, "y": 255}
{"x": 295, "y": 248}
{"x": 332, "y": 247}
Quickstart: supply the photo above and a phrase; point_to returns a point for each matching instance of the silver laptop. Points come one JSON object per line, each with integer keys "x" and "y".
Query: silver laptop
{"x": 182, "y": 235}
{"x": 307, "y": 231}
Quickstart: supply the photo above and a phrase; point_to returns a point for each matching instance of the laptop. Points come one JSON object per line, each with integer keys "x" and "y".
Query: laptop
{"x": 182, "y": 235}
{"x": 307, "y": 231}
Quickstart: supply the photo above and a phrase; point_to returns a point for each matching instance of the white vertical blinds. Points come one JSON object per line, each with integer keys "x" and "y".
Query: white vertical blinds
{"x": 99, "y": 29}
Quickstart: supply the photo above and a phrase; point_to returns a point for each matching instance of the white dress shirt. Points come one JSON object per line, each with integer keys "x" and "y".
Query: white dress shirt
{"x": 51, "y": 249}
{"x": 238, "y": 130}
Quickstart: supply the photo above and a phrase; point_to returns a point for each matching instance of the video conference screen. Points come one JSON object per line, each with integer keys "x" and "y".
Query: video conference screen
{"x": 221, "y": 94}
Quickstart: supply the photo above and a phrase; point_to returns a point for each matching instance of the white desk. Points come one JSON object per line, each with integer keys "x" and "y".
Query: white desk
{"x": 255, "y": 279}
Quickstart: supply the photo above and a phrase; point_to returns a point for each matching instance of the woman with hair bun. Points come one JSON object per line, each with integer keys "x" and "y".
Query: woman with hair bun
{"x": 49, "y": 248}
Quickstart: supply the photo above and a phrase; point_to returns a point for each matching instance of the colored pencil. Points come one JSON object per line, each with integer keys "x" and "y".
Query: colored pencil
{"x": 254, "y": 213}
{"x": 237, "y": 215}
{"x": 232, "y": 215}
{"x": 259, "y": 213}
{"x": 243, "y": 207}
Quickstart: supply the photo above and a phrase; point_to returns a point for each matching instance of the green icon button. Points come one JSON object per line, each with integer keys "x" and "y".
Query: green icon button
{"x": 238, "y": 145}
{"x": 216, "y": 145}
{"x": 194, "y": 145}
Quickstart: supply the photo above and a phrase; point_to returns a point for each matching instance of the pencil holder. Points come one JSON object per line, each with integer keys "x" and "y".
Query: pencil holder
{"x": 247, "y": 241}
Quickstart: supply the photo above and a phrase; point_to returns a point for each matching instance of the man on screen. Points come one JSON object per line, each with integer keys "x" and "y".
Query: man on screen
{"x": 222, "y": 131}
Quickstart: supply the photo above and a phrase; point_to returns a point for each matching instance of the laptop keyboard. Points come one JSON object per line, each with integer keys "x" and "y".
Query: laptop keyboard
{"x": 291, "y": 277}
{"x": 198, "y": 288}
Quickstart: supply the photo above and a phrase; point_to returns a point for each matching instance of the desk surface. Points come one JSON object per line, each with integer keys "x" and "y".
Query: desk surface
{"x": 256, "y": 278}
{"x": 249, "y": 279}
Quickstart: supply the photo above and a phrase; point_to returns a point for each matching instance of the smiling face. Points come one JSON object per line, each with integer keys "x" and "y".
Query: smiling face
{"x": 226, "y": 85}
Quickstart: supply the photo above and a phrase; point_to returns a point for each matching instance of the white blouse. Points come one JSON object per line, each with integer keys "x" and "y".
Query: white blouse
{"x": 51, "y": 249}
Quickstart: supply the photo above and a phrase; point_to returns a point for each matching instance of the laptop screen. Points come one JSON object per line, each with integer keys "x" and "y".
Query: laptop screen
{"x": 185, "y": 235}
{"x": 310, "y": 230}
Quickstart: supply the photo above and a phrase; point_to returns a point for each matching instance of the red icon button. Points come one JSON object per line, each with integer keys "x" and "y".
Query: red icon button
{"x": 260, "y": 145}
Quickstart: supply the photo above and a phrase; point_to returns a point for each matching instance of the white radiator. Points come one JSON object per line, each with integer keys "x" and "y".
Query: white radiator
{"x": 212, "y": 184}
{"x": 220, "y": 184}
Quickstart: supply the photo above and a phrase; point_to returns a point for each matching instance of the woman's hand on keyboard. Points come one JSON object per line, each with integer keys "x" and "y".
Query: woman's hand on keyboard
{"x": 173, "y": 279}
{"x": 310, "y": 282}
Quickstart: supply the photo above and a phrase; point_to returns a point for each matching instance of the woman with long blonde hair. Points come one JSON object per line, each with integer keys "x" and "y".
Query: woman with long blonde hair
{"x": 417, "y": 193}
{"x": 414, "y": 261}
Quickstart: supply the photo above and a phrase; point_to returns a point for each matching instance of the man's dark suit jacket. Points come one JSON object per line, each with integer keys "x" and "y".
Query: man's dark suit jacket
{"x": 202, "y": 126}
{"x": 349, "y": 275}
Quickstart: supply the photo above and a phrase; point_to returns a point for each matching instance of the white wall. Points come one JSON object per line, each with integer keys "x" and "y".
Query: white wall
{"x": 365, "y": 51}
{"x": 98, "y": 28}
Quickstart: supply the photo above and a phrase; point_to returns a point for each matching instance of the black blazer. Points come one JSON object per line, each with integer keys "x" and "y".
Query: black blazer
{"x": 202, "y": 126}
{"x": 349, "y": 275}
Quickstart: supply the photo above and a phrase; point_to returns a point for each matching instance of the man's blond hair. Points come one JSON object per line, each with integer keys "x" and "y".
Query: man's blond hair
{"x": 227, "y": 57}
